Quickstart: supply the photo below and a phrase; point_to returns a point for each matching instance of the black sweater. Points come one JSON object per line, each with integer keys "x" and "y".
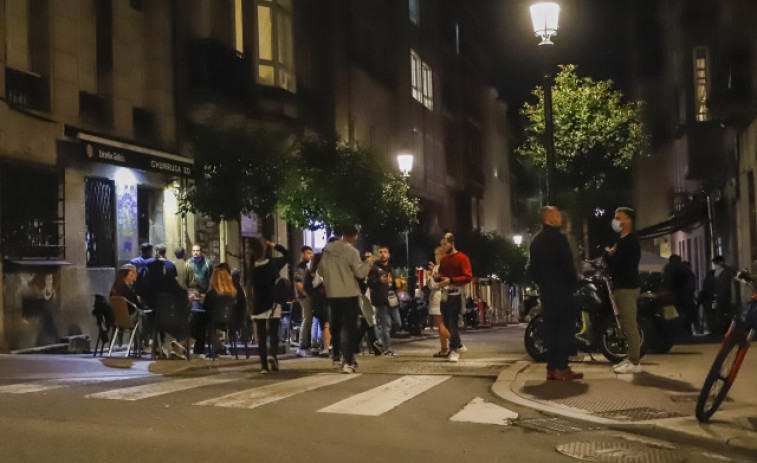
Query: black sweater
{"x": 264, "y": 281}
{"x": 624, "y": 262}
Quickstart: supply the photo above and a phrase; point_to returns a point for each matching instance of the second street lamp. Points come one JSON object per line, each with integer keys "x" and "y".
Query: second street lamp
{"x": 544, "y": 16}
{"x": 405, "y": 162}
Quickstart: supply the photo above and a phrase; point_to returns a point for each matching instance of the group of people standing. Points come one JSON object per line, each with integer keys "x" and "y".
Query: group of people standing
{"x": 352, "y": 296}
{"x": 552, "y": 268}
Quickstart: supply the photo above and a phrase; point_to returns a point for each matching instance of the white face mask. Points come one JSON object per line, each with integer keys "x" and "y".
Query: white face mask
{"x": 616, "y": 227}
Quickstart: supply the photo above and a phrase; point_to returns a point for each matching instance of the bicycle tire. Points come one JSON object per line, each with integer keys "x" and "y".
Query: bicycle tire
{"x": 717, "y": 384}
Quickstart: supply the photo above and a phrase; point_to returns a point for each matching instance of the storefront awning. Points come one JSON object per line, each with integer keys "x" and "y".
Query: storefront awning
{"x": 691, "y": 216}
{"x": 99, "y": 149}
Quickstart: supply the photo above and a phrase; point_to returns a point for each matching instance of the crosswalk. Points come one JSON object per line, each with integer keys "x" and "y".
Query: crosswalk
{"x": 373, "y": 402}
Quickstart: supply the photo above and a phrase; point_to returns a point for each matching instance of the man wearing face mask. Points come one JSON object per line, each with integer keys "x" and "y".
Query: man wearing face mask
{"x": 623, "y": 262}
{"x": 552, "y": 268}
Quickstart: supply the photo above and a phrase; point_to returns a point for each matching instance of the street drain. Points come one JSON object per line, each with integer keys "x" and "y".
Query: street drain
{"x": 556, "y": 425}
{"x": 638, "y": 414}
{"x": 622, "y": 452}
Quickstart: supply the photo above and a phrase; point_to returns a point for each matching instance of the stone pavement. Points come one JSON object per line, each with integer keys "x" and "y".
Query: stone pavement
{"x": 661, "y": 400}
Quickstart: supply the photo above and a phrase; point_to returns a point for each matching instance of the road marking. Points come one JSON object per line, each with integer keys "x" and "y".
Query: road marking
{"x": 480, "y": 411}
{"x": 252, "y": 398}
{"x": 40, "y": 386}
{"x": 380, "y": 400}
{"x": 155, "y": 389}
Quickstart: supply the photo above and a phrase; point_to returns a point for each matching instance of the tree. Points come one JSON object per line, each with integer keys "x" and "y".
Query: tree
{"x": 336, "y": 184}
{"x": 492, "y": 254}
{"x": 597, "y": 133}
{"x": 237, "y": 171}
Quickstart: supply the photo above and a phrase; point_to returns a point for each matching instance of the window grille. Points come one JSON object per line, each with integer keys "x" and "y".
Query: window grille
{"x": 99, "y": 205}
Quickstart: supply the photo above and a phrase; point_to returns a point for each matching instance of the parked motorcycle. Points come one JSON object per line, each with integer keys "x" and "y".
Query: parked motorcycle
{"x": 413, "y": 313}
{"x": 597, "y": 329}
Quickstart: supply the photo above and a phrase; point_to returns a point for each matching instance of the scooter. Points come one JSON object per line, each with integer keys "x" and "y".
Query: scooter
{"x": 597, "y": 329}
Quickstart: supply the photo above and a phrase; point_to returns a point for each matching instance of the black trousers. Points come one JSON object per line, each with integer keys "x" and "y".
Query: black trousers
{"x": 371, "y": 332}
{"x": 559, "y": 329}
{"x": 343, "y": 322}
{"x": 267, "y": 328}
{"x": 451, "y": 316}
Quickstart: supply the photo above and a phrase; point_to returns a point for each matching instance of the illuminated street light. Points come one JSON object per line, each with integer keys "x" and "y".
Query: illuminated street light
{"x": 405, "y": 161}
{"x": 545, "y": 16}
{"x": 518, "y": 239}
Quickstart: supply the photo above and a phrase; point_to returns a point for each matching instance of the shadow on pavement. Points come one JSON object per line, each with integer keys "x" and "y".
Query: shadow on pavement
{"x": 660, "y": 382}
{"x": 555, "y": 390}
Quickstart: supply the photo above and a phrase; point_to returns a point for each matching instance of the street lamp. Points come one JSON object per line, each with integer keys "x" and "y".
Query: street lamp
{"x": 405, "y": 161}
{"x": 544, "y": 16}
{"x": 518, "y": 239}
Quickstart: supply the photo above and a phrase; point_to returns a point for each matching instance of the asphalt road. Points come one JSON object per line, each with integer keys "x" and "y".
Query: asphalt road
{"x": 404, "y": 409}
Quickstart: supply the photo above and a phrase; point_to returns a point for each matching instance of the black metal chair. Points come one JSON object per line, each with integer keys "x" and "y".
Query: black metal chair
{"x": 105, "y": 323}
{"x": 172, "y": 312}
{"x": 225, "y": 316}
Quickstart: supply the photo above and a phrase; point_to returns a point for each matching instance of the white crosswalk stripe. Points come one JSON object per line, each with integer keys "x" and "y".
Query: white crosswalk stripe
{"x": 41, "y": 386}
{"x": 480, "y": 411}
{"x": 379, "y": 400}
{"x": 258, "y": 396}
{"x": 155, "y": 389}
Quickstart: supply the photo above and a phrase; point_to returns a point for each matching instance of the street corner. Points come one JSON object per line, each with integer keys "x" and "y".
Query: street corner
{"x": 645, "y": 402}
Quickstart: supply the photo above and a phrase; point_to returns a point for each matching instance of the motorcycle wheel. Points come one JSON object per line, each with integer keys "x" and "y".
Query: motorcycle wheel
{"x": 612, "y": 343}
{"x": 534, "y": 339}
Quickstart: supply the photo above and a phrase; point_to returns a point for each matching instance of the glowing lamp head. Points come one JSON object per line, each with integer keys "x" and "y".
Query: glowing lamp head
{"x": 405, "y": 162}
{"x": 544, "y": 16}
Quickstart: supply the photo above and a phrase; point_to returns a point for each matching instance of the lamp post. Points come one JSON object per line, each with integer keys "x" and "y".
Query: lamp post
{"x": 518, "y": 239}
{"x": 544, "y": 16}
{"x": 405, "y": 161}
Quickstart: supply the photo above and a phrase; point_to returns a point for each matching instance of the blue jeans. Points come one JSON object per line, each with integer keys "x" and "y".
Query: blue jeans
{"x": 385, "y": 315}
{"x": 307, "y": 322}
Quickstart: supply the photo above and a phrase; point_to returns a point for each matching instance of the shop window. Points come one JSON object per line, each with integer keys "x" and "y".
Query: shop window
{"x": 99, "y": 217}
{"x": 31, "y": 213}
{"x": 275, "y": 61}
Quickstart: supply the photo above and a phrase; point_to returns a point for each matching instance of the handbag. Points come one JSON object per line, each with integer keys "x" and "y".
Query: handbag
{"x": 391, "y": 297}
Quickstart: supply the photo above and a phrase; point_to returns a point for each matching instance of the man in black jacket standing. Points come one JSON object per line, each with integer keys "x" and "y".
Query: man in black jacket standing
{"x": 552, "y": 269}
{"x": 623, "y": 261}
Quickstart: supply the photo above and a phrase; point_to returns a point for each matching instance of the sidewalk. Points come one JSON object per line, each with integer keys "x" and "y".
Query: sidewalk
{"x": 659, "y": 400}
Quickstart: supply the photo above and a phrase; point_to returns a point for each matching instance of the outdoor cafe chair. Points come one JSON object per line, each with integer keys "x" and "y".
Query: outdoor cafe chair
{"x": 172, "y": 316}
{"x": 123, "y": 322}
{"x": 226, "y": 317}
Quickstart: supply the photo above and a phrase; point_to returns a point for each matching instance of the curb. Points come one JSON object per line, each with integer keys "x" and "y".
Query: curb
{"x": 681, "y": 427}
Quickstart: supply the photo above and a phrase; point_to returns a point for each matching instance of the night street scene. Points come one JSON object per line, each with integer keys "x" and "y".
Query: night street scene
{"x": 378, "y": 230}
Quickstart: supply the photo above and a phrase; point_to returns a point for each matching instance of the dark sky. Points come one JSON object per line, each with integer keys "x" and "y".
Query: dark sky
{"x": 591, "y": 34}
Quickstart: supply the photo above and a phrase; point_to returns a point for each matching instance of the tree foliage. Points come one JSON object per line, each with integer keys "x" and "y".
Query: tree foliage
{"x": 597, "y": 133}
{"x": 336, "y": 184}
{"x": 237, "y": 171}
{"x": 492, "y": 254}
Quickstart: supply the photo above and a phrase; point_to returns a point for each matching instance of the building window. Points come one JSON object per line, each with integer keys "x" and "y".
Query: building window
{"x": 415, "y": 11}
{"x": 99, "y": 217}
{"x": 238, "y": 27}
{"x": 31, "y": 219}
{"x": 701, "y": 83}
{"x": 104, "y": 34}
{"x": 457, "y": 38}
{"x": 415, "y": 76}
{"x": 276, "y": 44}
{"x": 421, "y": 81}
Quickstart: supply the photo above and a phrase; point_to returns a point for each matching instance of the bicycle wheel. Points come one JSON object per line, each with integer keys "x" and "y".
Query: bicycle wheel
{"x": 722, "y": 373}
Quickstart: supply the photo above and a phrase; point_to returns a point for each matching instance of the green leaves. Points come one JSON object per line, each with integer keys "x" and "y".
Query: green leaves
{"x": 338, "y": 185}
{"x": 315, "y": 182}
{"x": 492, "y": 254}
{"x": 596, "y": 131}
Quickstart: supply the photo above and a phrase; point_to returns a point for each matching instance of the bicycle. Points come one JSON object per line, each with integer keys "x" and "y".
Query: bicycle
{"x": 727, "y": 362}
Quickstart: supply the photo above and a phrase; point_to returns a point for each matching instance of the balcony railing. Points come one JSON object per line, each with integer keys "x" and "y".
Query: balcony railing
{"x": 26, "y": 89}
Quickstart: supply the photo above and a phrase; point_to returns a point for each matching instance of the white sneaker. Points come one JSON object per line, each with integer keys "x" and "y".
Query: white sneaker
{"x": 620, "y": 365}
{"x": 349, "y": 369}
{"x": 454, "y": 357}
{"x": 629, "y": 368}
{"x": 302, "y": 353}
{"x": 462, "y": 349}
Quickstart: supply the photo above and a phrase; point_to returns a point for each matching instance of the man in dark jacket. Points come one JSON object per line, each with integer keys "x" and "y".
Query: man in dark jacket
{"x": 553, "y": 271}
{"x": 381, "y": 283}
{"x": 623, "y": 261}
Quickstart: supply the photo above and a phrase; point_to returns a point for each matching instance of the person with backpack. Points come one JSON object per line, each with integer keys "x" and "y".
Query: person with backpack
{"x": 267, "y": 306}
